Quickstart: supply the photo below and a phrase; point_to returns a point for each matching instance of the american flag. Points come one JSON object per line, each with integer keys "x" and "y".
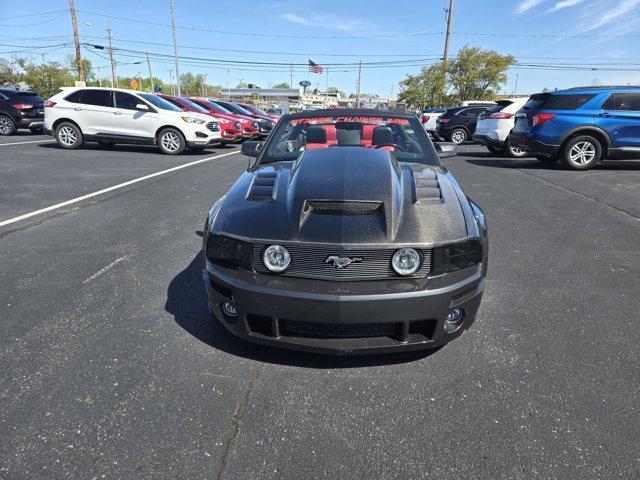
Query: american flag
{"x": 315, "y": 68}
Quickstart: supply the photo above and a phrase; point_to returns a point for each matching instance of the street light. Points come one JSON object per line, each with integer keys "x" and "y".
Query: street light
{"x": 204, "y": 86}
{"x": 170, "y": 70}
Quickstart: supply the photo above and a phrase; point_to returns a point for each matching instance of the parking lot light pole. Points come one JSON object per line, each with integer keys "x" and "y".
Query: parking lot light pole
{"x": 153, "y": 88}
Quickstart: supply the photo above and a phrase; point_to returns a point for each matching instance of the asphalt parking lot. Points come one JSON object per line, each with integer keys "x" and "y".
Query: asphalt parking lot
{"x": 112, "y": 368}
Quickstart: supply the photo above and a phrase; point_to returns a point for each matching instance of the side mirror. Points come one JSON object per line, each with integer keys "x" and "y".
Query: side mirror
{"x": 251, "y": 148}
{"x": 142, "y": 107}
{"x": 446, "y": 149}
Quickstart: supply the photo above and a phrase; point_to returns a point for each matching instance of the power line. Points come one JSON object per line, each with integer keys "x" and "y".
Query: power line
{"x": 33, "y": 24}
{"x": 35, "y": 14}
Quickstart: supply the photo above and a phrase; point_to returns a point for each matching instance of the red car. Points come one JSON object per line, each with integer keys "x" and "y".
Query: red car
{"x": 230, "y": 129}
{"x": 256, "y": 111}
{"x": 248, "y": 126}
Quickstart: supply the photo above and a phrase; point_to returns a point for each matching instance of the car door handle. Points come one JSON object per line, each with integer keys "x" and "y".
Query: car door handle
{"x": 117, "y": 113}
{"x": 77, "y": 109}
{"x": 605, "y": 114}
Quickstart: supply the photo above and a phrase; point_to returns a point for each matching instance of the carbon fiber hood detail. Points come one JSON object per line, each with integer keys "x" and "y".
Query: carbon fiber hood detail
{"x": 346, "y": 196}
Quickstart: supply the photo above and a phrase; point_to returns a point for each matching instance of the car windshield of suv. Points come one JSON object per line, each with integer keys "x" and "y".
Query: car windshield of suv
{"x": 403, "y": 137}
{"x": 194, "y": 105}
{"x": 255, "y": 109}
{"x": 160, "y": 102}
{"x": 219, "y": 107}
{"x": 237, "y": 109}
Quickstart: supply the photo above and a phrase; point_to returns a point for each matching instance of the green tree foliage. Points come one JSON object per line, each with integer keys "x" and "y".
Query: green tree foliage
{"x": 281, "y": 85}
{"x": 191, "y": 84}
{"x": 241, "y": 85}
{"x": 477, "y": 74}
{"x": 46, "y": 78}
{"x": 426, "y": 89}
{"x": 89, "y": 74}
{"x": 474, "y": 74}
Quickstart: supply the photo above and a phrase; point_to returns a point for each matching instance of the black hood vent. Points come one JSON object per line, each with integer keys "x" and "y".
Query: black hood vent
{"x": 263, "y": 186}
{"x": 427, "y": 187}
{"x": 342, "y": 207}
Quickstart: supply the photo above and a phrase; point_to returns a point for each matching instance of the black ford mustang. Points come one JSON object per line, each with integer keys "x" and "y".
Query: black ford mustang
{"x": 346, "y": 235}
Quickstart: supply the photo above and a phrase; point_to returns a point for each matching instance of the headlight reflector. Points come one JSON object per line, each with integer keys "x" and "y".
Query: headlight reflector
{"x": 276, "y": 258}
{"x": 226, "y": 251}
{"x": 406, "y": 261}
{"x": 193, "y": 120}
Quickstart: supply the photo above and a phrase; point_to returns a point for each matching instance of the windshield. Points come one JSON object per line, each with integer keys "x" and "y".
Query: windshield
{"x": 193, "y": 105}
{"x": 159, "y": 102}
{"x": 219, "y": 107}
{"x": 403, "y": 137}
{"x": 255, "y": 109}
{"x": 237, "y": 109}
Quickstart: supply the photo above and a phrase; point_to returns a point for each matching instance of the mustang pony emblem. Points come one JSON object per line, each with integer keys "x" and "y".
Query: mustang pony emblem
{"x": 341, "y": 262}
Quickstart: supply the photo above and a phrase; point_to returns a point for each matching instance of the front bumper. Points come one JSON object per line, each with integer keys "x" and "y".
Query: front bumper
{"x": 347, "y": 317}
{"x": 534, "y": 146}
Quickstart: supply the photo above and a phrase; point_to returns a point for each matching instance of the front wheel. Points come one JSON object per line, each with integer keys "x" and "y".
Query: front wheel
{"x": 7, "y": 127}
{"x": 581, "y": 153}
{"x": 458, "y": 136}
{"x": 171, "y": 141}
{"x": 69, "y": 136}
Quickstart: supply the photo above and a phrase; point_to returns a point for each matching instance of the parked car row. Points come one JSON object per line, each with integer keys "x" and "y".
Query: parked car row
{"x": 111, "y": 115}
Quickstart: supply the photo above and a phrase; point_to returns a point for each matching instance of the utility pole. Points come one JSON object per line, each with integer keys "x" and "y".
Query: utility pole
{"x": 171, "y": 80}
{"x": 326, "y": 87}
{"x": 291, "y": 75}
{"x": 359, "y": 79}
{"x": 175, "y": 47}
{"x": 139, "y": 81}
{"x": 204, "y": 85}
{"x": 515, "y": 89}
{"x": 114, "y": 78}
{"x": 153, "y": 88}
{"x": 76, "y": 40}
{"x": 449, "y": 25}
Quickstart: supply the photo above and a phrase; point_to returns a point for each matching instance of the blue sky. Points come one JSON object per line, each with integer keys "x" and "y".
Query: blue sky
{"x": 334, "y": 31}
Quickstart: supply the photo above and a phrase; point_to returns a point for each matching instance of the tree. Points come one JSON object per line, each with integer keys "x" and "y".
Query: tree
{"x": 477, "y": 74}
{"x": 191, "y": 84}
{"x": 426, "y": 89}
{"x": 241, "y": 85}
{"x": 89, "y": 74}
{"x": 46, "y": 78}
{"x": 8, "y": 74}
{"x": 282, "y": 85}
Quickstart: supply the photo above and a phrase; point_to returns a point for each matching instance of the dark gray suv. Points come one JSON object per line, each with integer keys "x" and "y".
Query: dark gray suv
{"x": 20, "y": 109}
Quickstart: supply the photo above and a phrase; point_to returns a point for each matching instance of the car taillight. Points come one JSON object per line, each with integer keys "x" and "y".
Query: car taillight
{"x": 49, "y": 104}
{"x": 540, "y": 118}
{"x": 425, "y": 118}
{"x": 22, "y": 106}
{"x": 500, "y": 116}
{"x": 444, "y": 120}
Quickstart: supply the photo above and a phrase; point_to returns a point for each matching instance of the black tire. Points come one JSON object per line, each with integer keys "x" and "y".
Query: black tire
{"x": 171, "y": 141}
{"x": 514, "y": 152}
{"x": 7, "y": 126}
{"x": 581, "y": 153}
{"x": 545, "y": 159}
{"x": 69, "y": 136}
{"x": 106, "y": 144}
{"x": 495, "y": 150}
{"x": 458, "y": 136}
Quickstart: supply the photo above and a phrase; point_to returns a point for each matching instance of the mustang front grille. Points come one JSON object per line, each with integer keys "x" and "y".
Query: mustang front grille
{"x": 310, "y": 261}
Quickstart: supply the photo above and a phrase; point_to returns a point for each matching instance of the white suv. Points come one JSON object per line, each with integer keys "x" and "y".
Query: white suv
{"x": 495, "y": 125}
{"x": 113, "y": 115}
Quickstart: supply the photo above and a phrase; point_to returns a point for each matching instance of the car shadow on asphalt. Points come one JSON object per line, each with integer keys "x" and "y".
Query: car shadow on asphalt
{"x": 137, "y": 149}
{"x": 533, "y": 164}
{"x": 187, "y": 302}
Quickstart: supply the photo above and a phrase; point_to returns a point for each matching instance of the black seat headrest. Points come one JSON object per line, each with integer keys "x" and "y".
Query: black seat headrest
{"x": 316, "y": 134}
{"x": 382, "y": 136}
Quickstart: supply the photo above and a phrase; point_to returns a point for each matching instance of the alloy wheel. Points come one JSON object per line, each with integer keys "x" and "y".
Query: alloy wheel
{"x": 67, "y": 136}
{"x": 170, "y": 141}
{"x": 458, "y": 137}
{"x": 5, "y": 126}
{"x": 582, "y": 153}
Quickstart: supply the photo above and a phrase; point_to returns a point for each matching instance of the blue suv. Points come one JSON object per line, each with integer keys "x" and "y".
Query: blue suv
{"x": 580, "y": 126}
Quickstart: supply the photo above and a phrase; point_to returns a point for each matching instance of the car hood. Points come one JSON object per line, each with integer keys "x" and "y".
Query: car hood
{"x": 345, "y": 195}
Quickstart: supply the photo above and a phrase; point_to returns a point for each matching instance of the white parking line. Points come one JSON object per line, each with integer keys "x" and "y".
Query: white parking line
{"x": 29, "y": 141}
{"x": 111, "y": 189}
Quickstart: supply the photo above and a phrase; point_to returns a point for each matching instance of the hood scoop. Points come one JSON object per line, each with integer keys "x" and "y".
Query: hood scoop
{"x": 427, "y": 187}
{"x": 263, "y": 186}
{"x": 341, "y": 207}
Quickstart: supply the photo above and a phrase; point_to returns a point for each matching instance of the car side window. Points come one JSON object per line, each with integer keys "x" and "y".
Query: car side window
{"x": 474, "y": 112}
{"x": 126, "y": 101}
{"x": 625, "y": 102}
{"x": 100, "y": 98}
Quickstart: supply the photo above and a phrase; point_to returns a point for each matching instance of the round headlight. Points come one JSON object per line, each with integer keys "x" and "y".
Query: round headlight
{"x": 276, "y": 258}
{"x": 406, "y": 261}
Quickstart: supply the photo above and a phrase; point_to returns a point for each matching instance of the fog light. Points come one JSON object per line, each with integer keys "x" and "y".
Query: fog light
{"x": 229, "y": 309}
{"x": 454, "y": 320}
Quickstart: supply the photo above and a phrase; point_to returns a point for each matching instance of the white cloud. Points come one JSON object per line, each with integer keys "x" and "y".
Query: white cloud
{"x": 525, "y": 5}
{"x": 564, "y": 4}
{"x": 326, "y": 21}
{"x": 613, "y": 11}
